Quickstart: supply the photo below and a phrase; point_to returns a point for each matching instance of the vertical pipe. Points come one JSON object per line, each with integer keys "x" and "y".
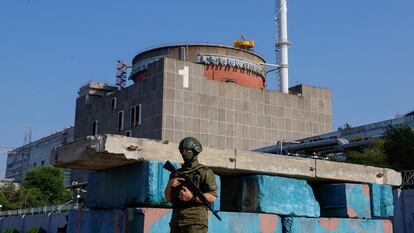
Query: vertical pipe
{"x": 282, "y": 45}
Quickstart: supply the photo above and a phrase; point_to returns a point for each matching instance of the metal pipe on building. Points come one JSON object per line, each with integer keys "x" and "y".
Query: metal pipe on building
{"x": 282, "y": 45}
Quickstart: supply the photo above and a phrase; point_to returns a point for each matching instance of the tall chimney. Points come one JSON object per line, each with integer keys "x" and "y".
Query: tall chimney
{"x": 282, "y": 45}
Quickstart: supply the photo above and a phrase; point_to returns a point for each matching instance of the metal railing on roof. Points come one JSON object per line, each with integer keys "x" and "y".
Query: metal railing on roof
{"x": 193, "y": 43}
{"x": 40, "y": 210}
{"x": 407, "y": 178}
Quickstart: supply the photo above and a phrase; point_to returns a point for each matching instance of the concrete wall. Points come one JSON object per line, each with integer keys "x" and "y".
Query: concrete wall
{"x": 335, "y": 225}
{"x": 403, "y": 211}
{"x": 49, "y": 222}
{"x": 226, "y": 115}
{"x": 155, "y": 220}
{"x": 148, "y": 93}
{"x": 221, "y": 115}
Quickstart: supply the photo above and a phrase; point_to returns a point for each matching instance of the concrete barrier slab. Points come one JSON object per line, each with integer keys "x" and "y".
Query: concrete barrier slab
{"x": 335, "y": 225}
{"x": 381, "y": 201}
{"x": 98, "y": 221}
{"x": 345, "y": 200}
{"x": 156, "y": 220}
{"x": 274, "y": 164}
{"x": 139, "y": 184}
{"x": 107, "y": 151}
{"x": 269, "y": 194}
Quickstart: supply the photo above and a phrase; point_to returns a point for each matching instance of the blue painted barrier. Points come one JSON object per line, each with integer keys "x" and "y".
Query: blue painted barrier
{"x": 269, "y": 194}
{"x": 381, "y": 201}
{"x": 112, "y": 220}
{"x": 335, "y": 225}
{"x": 345, "y": 200}
{"x": 156, "y": 220}
{"x": 140, "y": 184}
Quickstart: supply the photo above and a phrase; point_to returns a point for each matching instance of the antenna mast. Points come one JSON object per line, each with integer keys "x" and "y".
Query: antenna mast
{"x": 27, "y": 135}
{"x": 121, "y": 71}
{"x": 282, "y": 44}
{"x": 26, "y": 151}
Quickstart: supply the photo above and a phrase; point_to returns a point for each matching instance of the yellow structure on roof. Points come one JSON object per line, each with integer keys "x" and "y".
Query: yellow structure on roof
{"x": 243, "y": 43}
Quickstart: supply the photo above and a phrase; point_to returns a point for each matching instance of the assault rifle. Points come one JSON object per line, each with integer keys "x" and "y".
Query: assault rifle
{"x": 190, "y": 185}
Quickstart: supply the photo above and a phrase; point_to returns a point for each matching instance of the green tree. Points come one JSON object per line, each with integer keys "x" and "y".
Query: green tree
{"x": 8, "y": 195}
{"x": 344, "y": 127}
{"x": 399, "y": 147}
{"x": 32, "y": 197}
{"x": 41, "y": 186}
{"x": 395, "y": 150}
{"x": 372, "y": 155}
{"x": 44, "y": 186}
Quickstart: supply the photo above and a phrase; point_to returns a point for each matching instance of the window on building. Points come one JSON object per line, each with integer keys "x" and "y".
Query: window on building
{"x": 94, "y": 127}
{"x": 135, "y": 118}
{"x": 132, "y": 117}
{"x": 128, "y": 133}
{"x": 120, "y": 121}
{"x": 43, "y": 163}
{"x": 182, "y": 53}
{"x": 113, "y": 104}
{"x": 34, "y": 164}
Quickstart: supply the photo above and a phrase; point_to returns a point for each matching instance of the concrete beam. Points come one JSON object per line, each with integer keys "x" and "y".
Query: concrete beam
{"x": 107, "y": 151}
{"x": 337, "y": 225}
{"x": 330, "y": 170}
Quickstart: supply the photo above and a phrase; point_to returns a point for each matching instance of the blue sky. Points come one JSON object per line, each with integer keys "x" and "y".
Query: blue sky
{"x": 361, "y": 50}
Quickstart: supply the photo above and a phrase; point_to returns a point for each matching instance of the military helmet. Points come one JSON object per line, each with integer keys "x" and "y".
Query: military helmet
{"x": 191, "y": 143}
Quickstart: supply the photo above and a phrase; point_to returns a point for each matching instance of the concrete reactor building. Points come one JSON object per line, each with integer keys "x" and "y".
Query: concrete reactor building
{"x": 213, "y": 92}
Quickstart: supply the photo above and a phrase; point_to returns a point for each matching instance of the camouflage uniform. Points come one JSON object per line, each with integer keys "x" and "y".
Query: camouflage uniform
{"x": 192, "y": 217}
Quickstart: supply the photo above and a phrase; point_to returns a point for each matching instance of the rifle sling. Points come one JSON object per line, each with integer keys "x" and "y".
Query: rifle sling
{"x": 192, "y": 169}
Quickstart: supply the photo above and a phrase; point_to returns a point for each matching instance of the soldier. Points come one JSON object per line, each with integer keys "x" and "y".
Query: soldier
{"x": 189, "y": 214}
